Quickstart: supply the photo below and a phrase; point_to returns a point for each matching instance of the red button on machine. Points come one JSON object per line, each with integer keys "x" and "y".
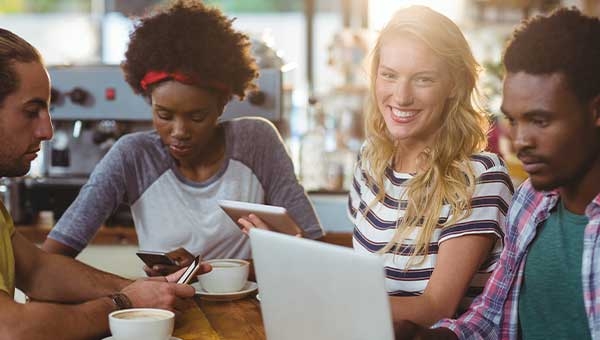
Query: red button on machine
{"x": 110, "y": 93}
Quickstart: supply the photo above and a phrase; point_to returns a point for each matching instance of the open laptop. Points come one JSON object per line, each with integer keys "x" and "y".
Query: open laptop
{"x": 318, "y": 291}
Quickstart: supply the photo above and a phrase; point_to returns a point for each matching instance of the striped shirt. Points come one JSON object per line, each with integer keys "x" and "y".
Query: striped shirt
{"x": 375, "y": 227}
{"x": 493, "y": 314}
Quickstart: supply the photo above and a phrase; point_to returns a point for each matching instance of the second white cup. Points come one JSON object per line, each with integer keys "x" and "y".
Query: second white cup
{"x": 226, "y": 276}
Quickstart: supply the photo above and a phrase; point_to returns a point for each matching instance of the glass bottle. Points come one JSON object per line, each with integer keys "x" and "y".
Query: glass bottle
{"x": 313, "y": 165}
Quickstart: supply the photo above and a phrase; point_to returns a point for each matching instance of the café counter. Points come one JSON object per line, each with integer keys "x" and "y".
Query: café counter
{"x": 330, "y": 209}
{"x": 126, "y": 235}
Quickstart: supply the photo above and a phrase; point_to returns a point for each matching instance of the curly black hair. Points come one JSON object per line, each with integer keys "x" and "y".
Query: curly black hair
{"x": 193, "y": 39}
{"x": 565, "y": 41}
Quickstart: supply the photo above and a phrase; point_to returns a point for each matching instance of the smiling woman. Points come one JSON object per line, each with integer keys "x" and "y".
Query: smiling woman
{"x": 411, "y": 93}
{"x": 188, "y": 61}
{"x": 425, "y": 195}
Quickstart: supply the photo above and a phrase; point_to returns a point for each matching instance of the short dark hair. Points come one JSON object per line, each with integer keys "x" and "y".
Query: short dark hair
{"x": 13, "y": 49}
{"x": 565, "y": 41}
{"x": 193, "y": 39}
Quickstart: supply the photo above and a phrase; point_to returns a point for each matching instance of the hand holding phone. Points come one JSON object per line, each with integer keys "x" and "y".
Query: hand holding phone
{"x": 191, "y": 271}
{"x": 161, "y": 263}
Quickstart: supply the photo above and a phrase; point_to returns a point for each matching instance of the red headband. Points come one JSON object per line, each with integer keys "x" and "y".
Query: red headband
{"x": 153, "y": 77}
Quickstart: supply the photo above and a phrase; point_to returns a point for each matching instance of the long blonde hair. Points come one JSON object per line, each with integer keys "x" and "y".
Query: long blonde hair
{"x": 447, "y": 177}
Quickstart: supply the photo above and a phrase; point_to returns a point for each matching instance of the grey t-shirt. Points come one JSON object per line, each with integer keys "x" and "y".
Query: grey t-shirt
{"x": 170, "y": 211}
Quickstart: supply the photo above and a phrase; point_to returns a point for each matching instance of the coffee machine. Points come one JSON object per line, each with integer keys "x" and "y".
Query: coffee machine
{"x": 91, "y": 107}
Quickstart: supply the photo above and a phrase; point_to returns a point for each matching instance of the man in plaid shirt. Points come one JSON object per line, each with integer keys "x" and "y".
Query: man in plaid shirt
{"x": 547, "y": 282}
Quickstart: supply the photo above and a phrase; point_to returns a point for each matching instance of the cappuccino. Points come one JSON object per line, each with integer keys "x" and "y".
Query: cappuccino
{"x": 141, "y": 323}
{"x": 147, "y": 315}
{"x": 226, "y": 264}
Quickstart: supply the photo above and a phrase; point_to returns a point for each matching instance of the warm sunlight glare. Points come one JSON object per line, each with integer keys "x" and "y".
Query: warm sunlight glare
{"x": 380, "y": 11}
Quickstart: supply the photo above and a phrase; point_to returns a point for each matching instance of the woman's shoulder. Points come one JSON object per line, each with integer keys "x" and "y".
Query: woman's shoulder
{"x": 244, "y": 124}
{"x": 137, "y": 144}
{"x": 487, "y": 161}
{"x": 251, "y": 131}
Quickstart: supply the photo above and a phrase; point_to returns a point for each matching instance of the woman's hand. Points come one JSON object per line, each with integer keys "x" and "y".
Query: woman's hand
{"x": 251, "y": 221}
{"x": 180, "y": 256}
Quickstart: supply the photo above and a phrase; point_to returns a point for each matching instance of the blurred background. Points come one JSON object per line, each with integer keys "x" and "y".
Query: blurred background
{"x": 319, "y": 45}
{"x": 311, "y": 54}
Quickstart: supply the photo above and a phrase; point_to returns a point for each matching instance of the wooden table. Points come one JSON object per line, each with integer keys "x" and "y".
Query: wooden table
{"x": 221, "y": 320}
{"x": 232, "y": 320}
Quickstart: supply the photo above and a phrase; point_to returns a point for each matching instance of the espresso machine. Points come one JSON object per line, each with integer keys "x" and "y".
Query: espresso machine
{"x": 91, "y": 107}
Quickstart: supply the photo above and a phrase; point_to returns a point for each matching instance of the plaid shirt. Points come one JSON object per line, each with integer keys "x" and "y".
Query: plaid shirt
{"x": 493, "y": 315}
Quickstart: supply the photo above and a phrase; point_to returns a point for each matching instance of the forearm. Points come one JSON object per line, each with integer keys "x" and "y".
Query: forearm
{"x": 35, "y": 320}
{"x": 299, "y": 207}
{"x": 421, "y": 310}
{"x": 79, "y": 282}
{"x": 436, "y": 334}
{"x": 51, "y": 277}
{"x": 55, "y": 247}
{"x": 407, "y": 330}
{"x": 283, "y": 189}
{"x": 457, "y": 262}
{"x": 96, "y": 200}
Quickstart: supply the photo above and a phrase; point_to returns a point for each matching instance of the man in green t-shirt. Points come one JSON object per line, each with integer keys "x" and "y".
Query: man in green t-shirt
{"x": 70, "y": 299}
{"x": 547, "y": 281}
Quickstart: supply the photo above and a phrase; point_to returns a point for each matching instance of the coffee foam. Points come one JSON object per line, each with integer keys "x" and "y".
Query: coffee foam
{"x": 141, "y": 315}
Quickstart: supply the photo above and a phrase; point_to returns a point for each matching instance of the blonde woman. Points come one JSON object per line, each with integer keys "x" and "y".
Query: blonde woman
{"x": 425, "y": 195}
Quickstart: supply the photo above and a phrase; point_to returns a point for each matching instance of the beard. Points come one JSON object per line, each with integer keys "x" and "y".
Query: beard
{"x": 543, "y": 186}
{"x": 13, "y": 168}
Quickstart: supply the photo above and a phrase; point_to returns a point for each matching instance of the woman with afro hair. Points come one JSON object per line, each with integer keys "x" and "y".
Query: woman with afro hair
{"x": 188, "y": 61}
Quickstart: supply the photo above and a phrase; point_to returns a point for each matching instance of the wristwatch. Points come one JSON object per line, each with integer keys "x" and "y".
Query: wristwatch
{"x": 120, "y": 300}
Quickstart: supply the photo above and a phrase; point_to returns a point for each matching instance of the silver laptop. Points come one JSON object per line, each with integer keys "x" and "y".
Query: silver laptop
{"x": 318, "y": 291}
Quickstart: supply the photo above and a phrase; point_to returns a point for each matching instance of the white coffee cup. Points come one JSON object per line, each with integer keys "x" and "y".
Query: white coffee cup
{"x": 141, "y": 323}
{"x": 226, "y": 276}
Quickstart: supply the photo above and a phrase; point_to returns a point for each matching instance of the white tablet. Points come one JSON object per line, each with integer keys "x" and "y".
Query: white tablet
{"x": 275, "y": 217}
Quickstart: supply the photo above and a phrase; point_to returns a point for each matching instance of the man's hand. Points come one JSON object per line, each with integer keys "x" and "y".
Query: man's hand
{"x": 180, "y": 256}
{"x": 407, "y": 330}
{"x": 174, "y": 277}
{"x": 158, "y": 293}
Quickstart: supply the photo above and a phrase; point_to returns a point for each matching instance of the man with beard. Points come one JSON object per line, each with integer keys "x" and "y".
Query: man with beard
{"x": 69, "y": 299}
{"x": 548, "y": 277}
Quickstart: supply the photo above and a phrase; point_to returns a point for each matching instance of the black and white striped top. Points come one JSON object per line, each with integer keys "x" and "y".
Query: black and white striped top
{"x": 374, "y": 228}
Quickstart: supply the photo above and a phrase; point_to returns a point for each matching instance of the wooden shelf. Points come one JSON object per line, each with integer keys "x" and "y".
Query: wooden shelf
{"x": 106, "y": 235}
{"x": 127, "y": 236}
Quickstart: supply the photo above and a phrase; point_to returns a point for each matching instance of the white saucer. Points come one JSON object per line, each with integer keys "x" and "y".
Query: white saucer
{"x": 249, "y": 288}
{"x": 111, "y": 338}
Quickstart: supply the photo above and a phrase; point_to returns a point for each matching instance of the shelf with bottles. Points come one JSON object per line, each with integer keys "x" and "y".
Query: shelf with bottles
{"x": 328, "y": 147}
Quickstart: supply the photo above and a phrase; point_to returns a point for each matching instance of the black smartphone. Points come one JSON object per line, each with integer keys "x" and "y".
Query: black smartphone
{"x": 152, "y": 258}
{"x": 191, "y": 271}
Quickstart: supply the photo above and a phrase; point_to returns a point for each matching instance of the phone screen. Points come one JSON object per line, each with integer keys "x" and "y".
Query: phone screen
{"x": 191, "y": 270}
{"x": 154, "y": 258}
